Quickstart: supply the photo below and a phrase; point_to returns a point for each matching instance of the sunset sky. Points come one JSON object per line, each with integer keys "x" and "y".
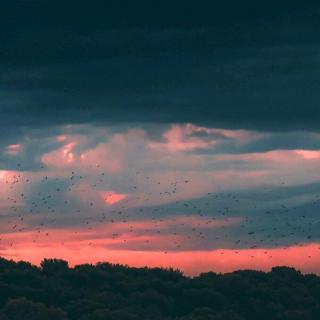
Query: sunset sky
{"x": 161, "y": 135}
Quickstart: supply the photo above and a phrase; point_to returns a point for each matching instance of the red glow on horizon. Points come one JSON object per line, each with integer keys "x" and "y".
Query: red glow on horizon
{"x": 305, "y": 258}
{"x": 92, "y": 248}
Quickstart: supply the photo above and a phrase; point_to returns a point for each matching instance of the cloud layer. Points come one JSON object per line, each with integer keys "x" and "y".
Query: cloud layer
{"x": 170, "y": 189}
{"x": 160, "y": 130}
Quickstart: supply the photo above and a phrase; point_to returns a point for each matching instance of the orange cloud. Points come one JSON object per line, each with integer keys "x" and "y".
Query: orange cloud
{"x": 112, "y": 197}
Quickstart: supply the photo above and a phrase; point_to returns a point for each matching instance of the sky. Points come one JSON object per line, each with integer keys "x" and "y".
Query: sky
{"x": 180, "y": 135}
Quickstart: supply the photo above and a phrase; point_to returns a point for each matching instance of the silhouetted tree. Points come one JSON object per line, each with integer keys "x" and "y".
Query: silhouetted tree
{"x": 53, "y": 266}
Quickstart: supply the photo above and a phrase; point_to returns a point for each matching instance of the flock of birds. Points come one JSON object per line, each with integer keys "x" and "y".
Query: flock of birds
{"x": 230, "y": 220}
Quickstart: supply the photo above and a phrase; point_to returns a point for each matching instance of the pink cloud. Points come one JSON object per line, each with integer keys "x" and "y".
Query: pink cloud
{"x": 135, "y": 230}
{"x": 3, "y": 174}
{"x": 61, "y": 138}
{"x": 13, "y": 149}
{"x": 61, "y": 157}
{"x": 189, "y": 136}
{"x": 308, "y": 154}
{"x": 111, "y": 197}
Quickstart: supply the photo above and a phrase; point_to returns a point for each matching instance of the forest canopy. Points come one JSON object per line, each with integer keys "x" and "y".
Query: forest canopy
{"x": 105, "y": 291}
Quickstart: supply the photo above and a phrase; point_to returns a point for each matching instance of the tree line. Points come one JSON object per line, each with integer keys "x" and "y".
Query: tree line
{"x": 54, "y": 291}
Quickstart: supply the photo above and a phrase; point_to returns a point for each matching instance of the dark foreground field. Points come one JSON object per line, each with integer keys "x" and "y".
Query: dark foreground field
{"x": 113, "y": 292}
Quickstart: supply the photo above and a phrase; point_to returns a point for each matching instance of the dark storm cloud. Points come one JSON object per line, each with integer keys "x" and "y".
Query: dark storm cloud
{"x": 228, "y": 64}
